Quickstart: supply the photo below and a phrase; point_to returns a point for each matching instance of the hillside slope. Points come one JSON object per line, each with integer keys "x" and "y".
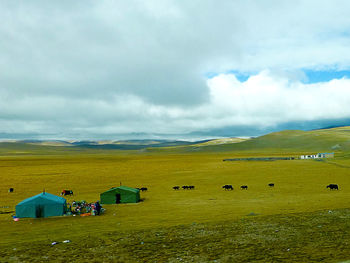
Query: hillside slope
{"x": 325, "y": 140}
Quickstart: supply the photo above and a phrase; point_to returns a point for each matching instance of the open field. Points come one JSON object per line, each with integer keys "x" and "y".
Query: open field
{"x": 320, "y": 236}
{"x": 300, "y": 187}
{"x": 207, "y": 216}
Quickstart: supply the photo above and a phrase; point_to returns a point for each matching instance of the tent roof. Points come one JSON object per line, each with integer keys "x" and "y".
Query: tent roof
{"x": 126, "y": 188}
{"x": 45, "y": 197}
{"x": 110, "y": 190}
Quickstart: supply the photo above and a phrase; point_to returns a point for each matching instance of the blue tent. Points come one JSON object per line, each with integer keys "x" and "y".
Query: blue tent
{"x": 41, "y": 205}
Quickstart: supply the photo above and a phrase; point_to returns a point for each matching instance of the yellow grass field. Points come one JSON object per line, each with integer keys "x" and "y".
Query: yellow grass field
{"x": 300, "y": 186}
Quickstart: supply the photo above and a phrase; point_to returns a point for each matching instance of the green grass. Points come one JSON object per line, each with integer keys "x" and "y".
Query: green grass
{"x": 320, "y": 236}
{"x": 202, "y": 225}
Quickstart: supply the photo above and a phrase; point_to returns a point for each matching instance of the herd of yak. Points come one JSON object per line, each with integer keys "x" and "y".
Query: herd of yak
{"x": 245, "y": 187}
{"x": 226, "y": 187}
{"x": 191, "y": 187}
{"x": 185, "y": 187}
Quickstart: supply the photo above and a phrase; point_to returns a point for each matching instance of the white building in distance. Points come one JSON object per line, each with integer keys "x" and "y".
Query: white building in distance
{"x": 317, "y": 156}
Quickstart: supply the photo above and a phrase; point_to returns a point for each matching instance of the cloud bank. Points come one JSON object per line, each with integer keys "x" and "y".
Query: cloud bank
{"x": 98, "y": 68}
{"x": 263, "y": 100}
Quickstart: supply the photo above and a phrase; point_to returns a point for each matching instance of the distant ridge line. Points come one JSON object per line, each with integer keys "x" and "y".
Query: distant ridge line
{"x": 260, "y": 159}
{"x": 330, "y": 127}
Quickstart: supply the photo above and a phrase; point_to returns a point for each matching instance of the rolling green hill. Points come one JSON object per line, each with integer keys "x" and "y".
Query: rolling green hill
{"x": 324, "y": 140}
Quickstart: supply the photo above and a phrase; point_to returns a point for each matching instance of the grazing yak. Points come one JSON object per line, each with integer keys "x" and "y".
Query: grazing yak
{"x": 227, "y": 187}
{"x": 67, "y": 192}
{"x": 244, "y": 187}
{"x": 332, "y": 187}
{"x": 271, "y": 184}
{"x": 176, "y": 187}
{"x": 188, "y": 187}
{"x": 11, "y": 190}
{"x": 143, "y": 189}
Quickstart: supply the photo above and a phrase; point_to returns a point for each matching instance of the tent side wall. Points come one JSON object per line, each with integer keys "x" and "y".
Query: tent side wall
{"x": 108, "y": 197}
{"x": 25, "y": 210}
{"x": 54, "y": 210}
{"x": 128, "y": 196}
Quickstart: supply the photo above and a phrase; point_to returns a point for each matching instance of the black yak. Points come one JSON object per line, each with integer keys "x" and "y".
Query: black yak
{"x": 332, "y": 187}
{"x": 67, "y": 192}
{"x": 227, "y": 187}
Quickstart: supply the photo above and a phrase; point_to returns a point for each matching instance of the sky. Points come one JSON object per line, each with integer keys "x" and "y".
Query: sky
{"x": 131, "y": 69}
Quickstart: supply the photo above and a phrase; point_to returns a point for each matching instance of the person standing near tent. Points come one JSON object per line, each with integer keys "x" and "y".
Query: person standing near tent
{"x": 98, "y": 208}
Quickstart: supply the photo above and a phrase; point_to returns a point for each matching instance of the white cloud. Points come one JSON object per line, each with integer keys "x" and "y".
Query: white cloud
{"x": 267, "y": 100}
{"x": 141, "y": 66}
{"x": 263, "y": 100}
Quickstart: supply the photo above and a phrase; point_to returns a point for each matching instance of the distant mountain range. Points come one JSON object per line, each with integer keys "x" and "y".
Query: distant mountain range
{"x": 321, "y": 140}
{"x": 197, "y": 135}
{"x": 118, "y": 145}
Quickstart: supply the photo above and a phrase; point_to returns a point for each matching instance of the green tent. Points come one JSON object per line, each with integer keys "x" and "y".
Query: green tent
{"x": 41, "y": 205}
{"x": 121, "y": 194}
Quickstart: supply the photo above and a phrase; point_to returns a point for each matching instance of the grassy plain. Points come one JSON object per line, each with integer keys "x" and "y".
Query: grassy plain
{"x": 225, "y": 226}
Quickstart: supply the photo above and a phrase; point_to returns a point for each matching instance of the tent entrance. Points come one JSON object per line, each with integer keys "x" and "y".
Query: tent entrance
{"x": 117, "y": 198}
{"x": 39, "y": 211}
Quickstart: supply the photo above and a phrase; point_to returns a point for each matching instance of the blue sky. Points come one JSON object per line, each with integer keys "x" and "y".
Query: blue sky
{"x": 310, "y": 76}
{"x": 242, "y": 77}
{"x": 314, "y": 76}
